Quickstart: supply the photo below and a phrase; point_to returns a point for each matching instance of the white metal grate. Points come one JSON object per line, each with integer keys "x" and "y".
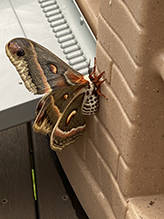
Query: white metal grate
{"x": 65, "y": 36}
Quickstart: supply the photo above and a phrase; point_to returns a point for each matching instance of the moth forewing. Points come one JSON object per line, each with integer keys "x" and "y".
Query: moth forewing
{"x": 40, "y": 69}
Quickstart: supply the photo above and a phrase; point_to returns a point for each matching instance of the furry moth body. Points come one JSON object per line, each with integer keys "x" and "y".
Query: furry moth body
{"x": 68, "y": 94}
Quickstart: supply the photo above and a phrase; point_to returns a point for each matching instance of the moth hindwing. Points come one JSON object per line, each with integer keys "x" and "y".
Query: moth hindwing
{"x": 60, "y": 114}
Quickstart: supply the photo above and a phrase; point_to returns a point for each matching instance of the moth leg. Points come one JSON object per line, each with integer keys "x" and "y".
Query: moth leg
{"x": 96, "y": 79}
{"x": 98, "y": 88}
{"x": 98, "y": 83}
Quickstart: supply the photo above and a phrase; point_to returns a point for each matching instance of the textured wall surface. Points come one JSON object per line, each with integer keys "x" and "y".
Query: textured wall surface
{"x": 117, "y": 169}
{"x": 90, "y": 9}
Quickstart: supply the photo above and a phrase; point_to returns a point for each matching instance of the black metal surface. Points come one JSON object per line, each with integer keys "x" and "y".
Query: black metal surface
{"x": 75, "y": 202}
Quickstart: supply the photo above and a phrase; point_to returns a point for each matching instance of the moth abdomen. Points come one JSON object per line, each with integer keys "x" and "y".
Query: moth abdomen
{"x": 91, "y": 101}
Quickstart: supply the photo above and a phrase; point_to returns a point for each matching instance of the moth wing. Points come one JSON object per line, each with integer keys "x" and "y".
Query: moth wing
{"x": 40, "y": 69}
{"x": 40, "y": 104}
{"x": 46, "y": 115}
{"x": 71, "y": 125}
{"x": 51, "y": 107}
